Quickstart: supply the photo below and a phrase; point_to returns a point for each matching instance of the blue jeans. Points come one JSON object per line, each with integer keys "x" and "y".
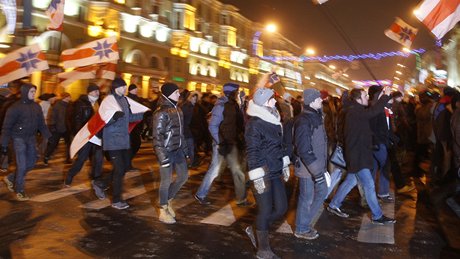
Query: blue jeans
{"x": 169, "y": 189}
{"x": 367, "y": 182}
{"x": 311, "y": 197}
{"x": 191, "y": 149}
{"x": 271, "y": 204}
{"x": 239, "y": 179}
{"x": 380, "y": 160}
{"x": 26, "y": 156}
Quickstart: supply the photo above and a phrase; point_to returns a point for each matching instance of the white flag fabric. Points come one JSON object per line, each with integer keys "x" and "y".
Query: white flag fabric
{"x": 401, "y": 32}
{"x": 94, "y": 52}
{"x": 440, "y": 16}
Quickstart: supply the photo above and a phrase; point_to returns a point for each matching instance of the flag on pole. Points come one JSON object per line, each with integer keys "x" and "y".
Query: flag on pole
{"x": 107, "y": 109}
{"x": 55, "y": 13}
{"x": 94, "y": 52}
{"x": 401, "y": 32}
{"x": 9, "y": 9}
{"x": 103, "y": 70}
{"x": 440, "y": 16}
{"x": 21, "y": 63}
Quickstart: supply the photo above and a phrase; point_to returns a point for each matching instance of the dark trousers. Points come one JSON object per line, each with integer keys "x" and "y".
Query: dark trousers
{"x": 88, "y": 150}
{"x": 120, "y": 161}
{"x": 135, "y": 139}
{"x": 26, "y": 156}
{"x": 54, "y": 141}
{"x": 272, "y": 203}
{"x": 393, "y": 163}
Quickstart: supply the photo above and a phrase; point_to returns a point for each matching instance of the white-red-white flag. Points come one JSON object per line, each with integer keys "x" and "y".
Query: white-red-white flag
{"x": 94, "y": 52}
{"x": 103, "y": 70}
{"x": 55, "y": 13}
{"x": 21, "y": 63}
{"x": 440, "y": 16}
{"x": 401, "y": 32}
{"x": 106, "y": 111}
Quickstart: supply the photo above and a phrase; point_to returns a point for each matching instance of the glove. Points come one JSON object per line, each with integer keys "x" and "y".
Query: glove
{"x": 118, "y": 115}
{"x": 286, "y": 173}
{"x": 257, "y": 177}
{"x": 4, "y": 150}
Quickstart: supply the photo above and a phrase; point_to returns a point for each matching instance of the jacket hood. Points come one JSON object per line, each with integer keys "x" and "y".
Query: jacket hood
{"x": 25, "y": 88}
{"x": 222, "y": 100}
{"x": 263, "y": 113}
{"x": 165, "y": 101}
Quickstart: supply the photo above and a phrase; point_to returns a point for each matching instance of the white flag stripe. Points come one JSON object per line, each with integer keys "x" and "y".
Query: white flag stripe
{"x": 445, "y": 26}
{"x": 425, "y": 9}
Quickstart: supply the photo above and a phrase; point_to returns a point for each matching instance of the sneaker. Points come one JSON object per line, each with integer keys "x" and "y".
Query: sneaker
{"x": 406, "y": 189}
{"x": 9, "y": 184}
{"x": 337, "y": 212}
{"x": 202, "y": 201}
{"x": 165, "y": 217}
{"x": 383, "y": 220}
{"x": 121, "y": 205}
{"x": 22, "y": 196}
{"x": 99, "y": 191}
{"x": 310, "y": 235}
{"x": 386, "y": 199}
{"x": 245, "y": 204}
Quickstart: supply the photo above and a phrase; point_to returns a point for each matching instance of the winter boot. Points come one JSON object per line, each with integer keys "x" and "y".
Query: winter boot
{"x": 264, "y": 251}
{"x": 170, "y": 209}
{"x": 165, "y": 217}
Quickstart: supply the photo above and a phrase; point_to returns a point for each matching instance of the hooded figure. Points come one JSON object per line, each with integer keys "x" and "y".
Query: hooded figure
{"x": 22, "y": 121}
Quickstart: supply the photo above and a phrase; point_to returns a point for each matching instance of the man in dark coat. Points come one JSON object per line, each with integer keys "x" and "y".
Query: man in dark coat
{"x": 358, "y": 153}
{"x": 22, "y": 121}
{"x": 85, "y": 107}
{"x": 135, "y": 134}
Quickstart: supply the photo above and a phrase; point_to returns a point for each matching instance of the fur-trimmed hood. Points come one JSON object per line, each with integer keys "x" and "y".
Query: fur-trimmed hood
{"x": 263, "y": 113}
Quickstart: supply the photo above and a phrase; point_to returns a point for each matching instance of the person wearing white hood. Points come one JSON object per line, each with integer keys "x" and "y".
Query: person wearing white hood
{"x": 268, "y": 166}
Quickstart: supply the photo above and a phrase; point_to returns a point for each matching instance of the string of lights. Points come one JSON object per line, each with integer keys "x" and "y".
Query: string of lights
{"x": 349, "y": 58}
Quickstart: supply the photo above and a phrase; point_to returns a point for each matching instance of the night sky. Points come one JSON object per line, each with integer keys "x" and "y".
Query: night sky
{"x": 363, "y": 21}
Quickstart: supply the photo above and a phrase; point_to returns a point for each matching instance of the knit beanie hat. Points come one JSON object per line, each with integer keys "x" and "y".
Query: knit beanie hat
{"x": 168, "y": 88}
{"x": 132, "y": 87}
{"x": 118, "y": 82}
{"x": 310, "y": 95}
{"x": 92, "y": 87}
{"x": 230, "y": 87}
{"x": 262, "y": 95}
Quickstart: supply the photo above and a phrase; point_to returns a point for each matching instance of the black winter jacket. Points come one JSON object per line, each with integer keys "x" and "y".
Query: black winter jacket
{"x": 83, "y": 111}
{"x": 23, "y": 119}
{"x": 168, "y": 130}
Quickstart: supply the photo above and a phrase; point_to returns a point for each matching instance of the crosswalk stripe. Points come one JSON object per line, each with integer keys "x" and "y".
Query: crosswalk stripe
{"x": 177, "y": 204}
{"x": 222, "y": 217}
{"x": 100, "y": 204}
{"x": 50, "y": 196}
{"x": 285, "y": 228}
{"x": 378, "y": 234}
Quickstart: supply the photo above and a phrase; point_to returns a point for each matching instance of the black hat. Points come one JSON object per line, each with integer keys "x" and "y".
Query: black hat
{"x": 92, "y": 87}
{"x": 168, "y": 88}
{"x": 132, "y": 87}
{"x": 118, "y": 82}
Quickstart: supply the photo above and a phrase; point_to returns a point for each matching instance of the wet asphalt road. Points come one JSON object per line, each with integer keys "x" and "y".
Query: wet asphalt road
{"x": 74, "y": 224}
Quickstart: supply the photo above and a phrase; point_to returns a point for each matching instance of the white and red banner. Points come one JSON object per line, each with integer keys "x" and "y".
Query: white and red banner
{"x": 440, "y": 16}
{"x": 21, "y": 63}
{"x": 94, "y": 52}
{"x": 104, "y": 70}
{"x": 401, "y": 32}
{"x": 55, "y": 13}
{"x": 106, "y": 111}
{"x": 9, "y": 9}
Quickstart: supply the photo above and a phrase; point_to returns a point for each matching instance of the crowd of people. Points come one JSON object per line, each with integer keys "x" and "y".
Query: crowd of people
{"x": 260, "y": 138}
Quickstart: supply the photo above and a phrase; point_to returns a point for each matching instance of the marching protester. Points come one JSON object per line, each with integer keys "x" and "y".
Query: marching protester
{"x": 58, "y": 123}
{"x": 226, "y": 127}
{"x": 22, "y": 121}
{"x": 358, "y": 153}
{"x": 170, "y": 149}
{"x": 268, "y": 166}
{"x": 136, "y": 132}
{"x": 310, "y": 147}
{"x": 188, "y": 107}
{"x": 115, "y": 140}
{"x": 85, "y": 107}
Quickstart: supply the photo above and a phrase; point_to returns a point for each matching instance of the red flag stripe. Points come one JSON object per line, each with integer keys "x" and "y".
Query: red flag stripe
{"x": 95, "y": 124}
{"x": 79, "y": 54}
{"x": 442, "y": 10}
{"x": 9, "y": 67}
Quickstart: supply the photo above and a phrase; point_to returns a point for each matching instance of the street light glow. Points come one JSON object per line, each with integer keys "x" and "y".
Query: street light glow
{"x": 310, "y": 51}
{"x": 401, "y": 65}
{"x": 416, "y": 12}
{"x": 332, "y": 67}
{"x": 271, "y": 27}
{"x": 406, "y": 50}
{"x": 396, "y": 78}
{"x": 398, "y": 72}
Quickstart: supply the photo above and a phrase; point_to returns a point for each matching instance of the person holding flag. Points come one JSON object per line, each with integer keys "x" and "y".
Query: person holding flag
{"x": 115, "y": 115}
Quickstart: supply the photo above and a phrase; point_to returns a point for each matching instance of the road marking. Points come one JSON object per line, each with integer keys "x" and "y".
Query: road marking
{"x": 222, "y": 217}
{"x": 177, "y": 204}
{"x": 378, "y": 234}
{"x": 100, "y": 204}
{"x": 50, "y": 196}
{"x": 285, "y": 228}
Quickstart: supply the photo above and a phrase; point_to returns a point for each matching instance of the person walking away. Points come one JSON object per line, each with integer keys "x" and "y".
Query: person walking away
{"x": 268, "y": 166}
{"x": 170, "y": 148}
{"x": 188, "y": 108}
{"x": 22, "y": 121}
{"x": 84, "y": 108}
{"x": 310, "y": 148}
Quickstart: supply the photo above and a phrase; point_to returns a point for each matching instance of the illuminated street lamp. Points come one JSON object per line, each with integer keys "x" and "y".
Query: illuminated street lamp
{"x": 271, "y": 28}
{"x": 310, "y": 51}
{"x": 399, "y": 72}
{"x": 332, "y": 67}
